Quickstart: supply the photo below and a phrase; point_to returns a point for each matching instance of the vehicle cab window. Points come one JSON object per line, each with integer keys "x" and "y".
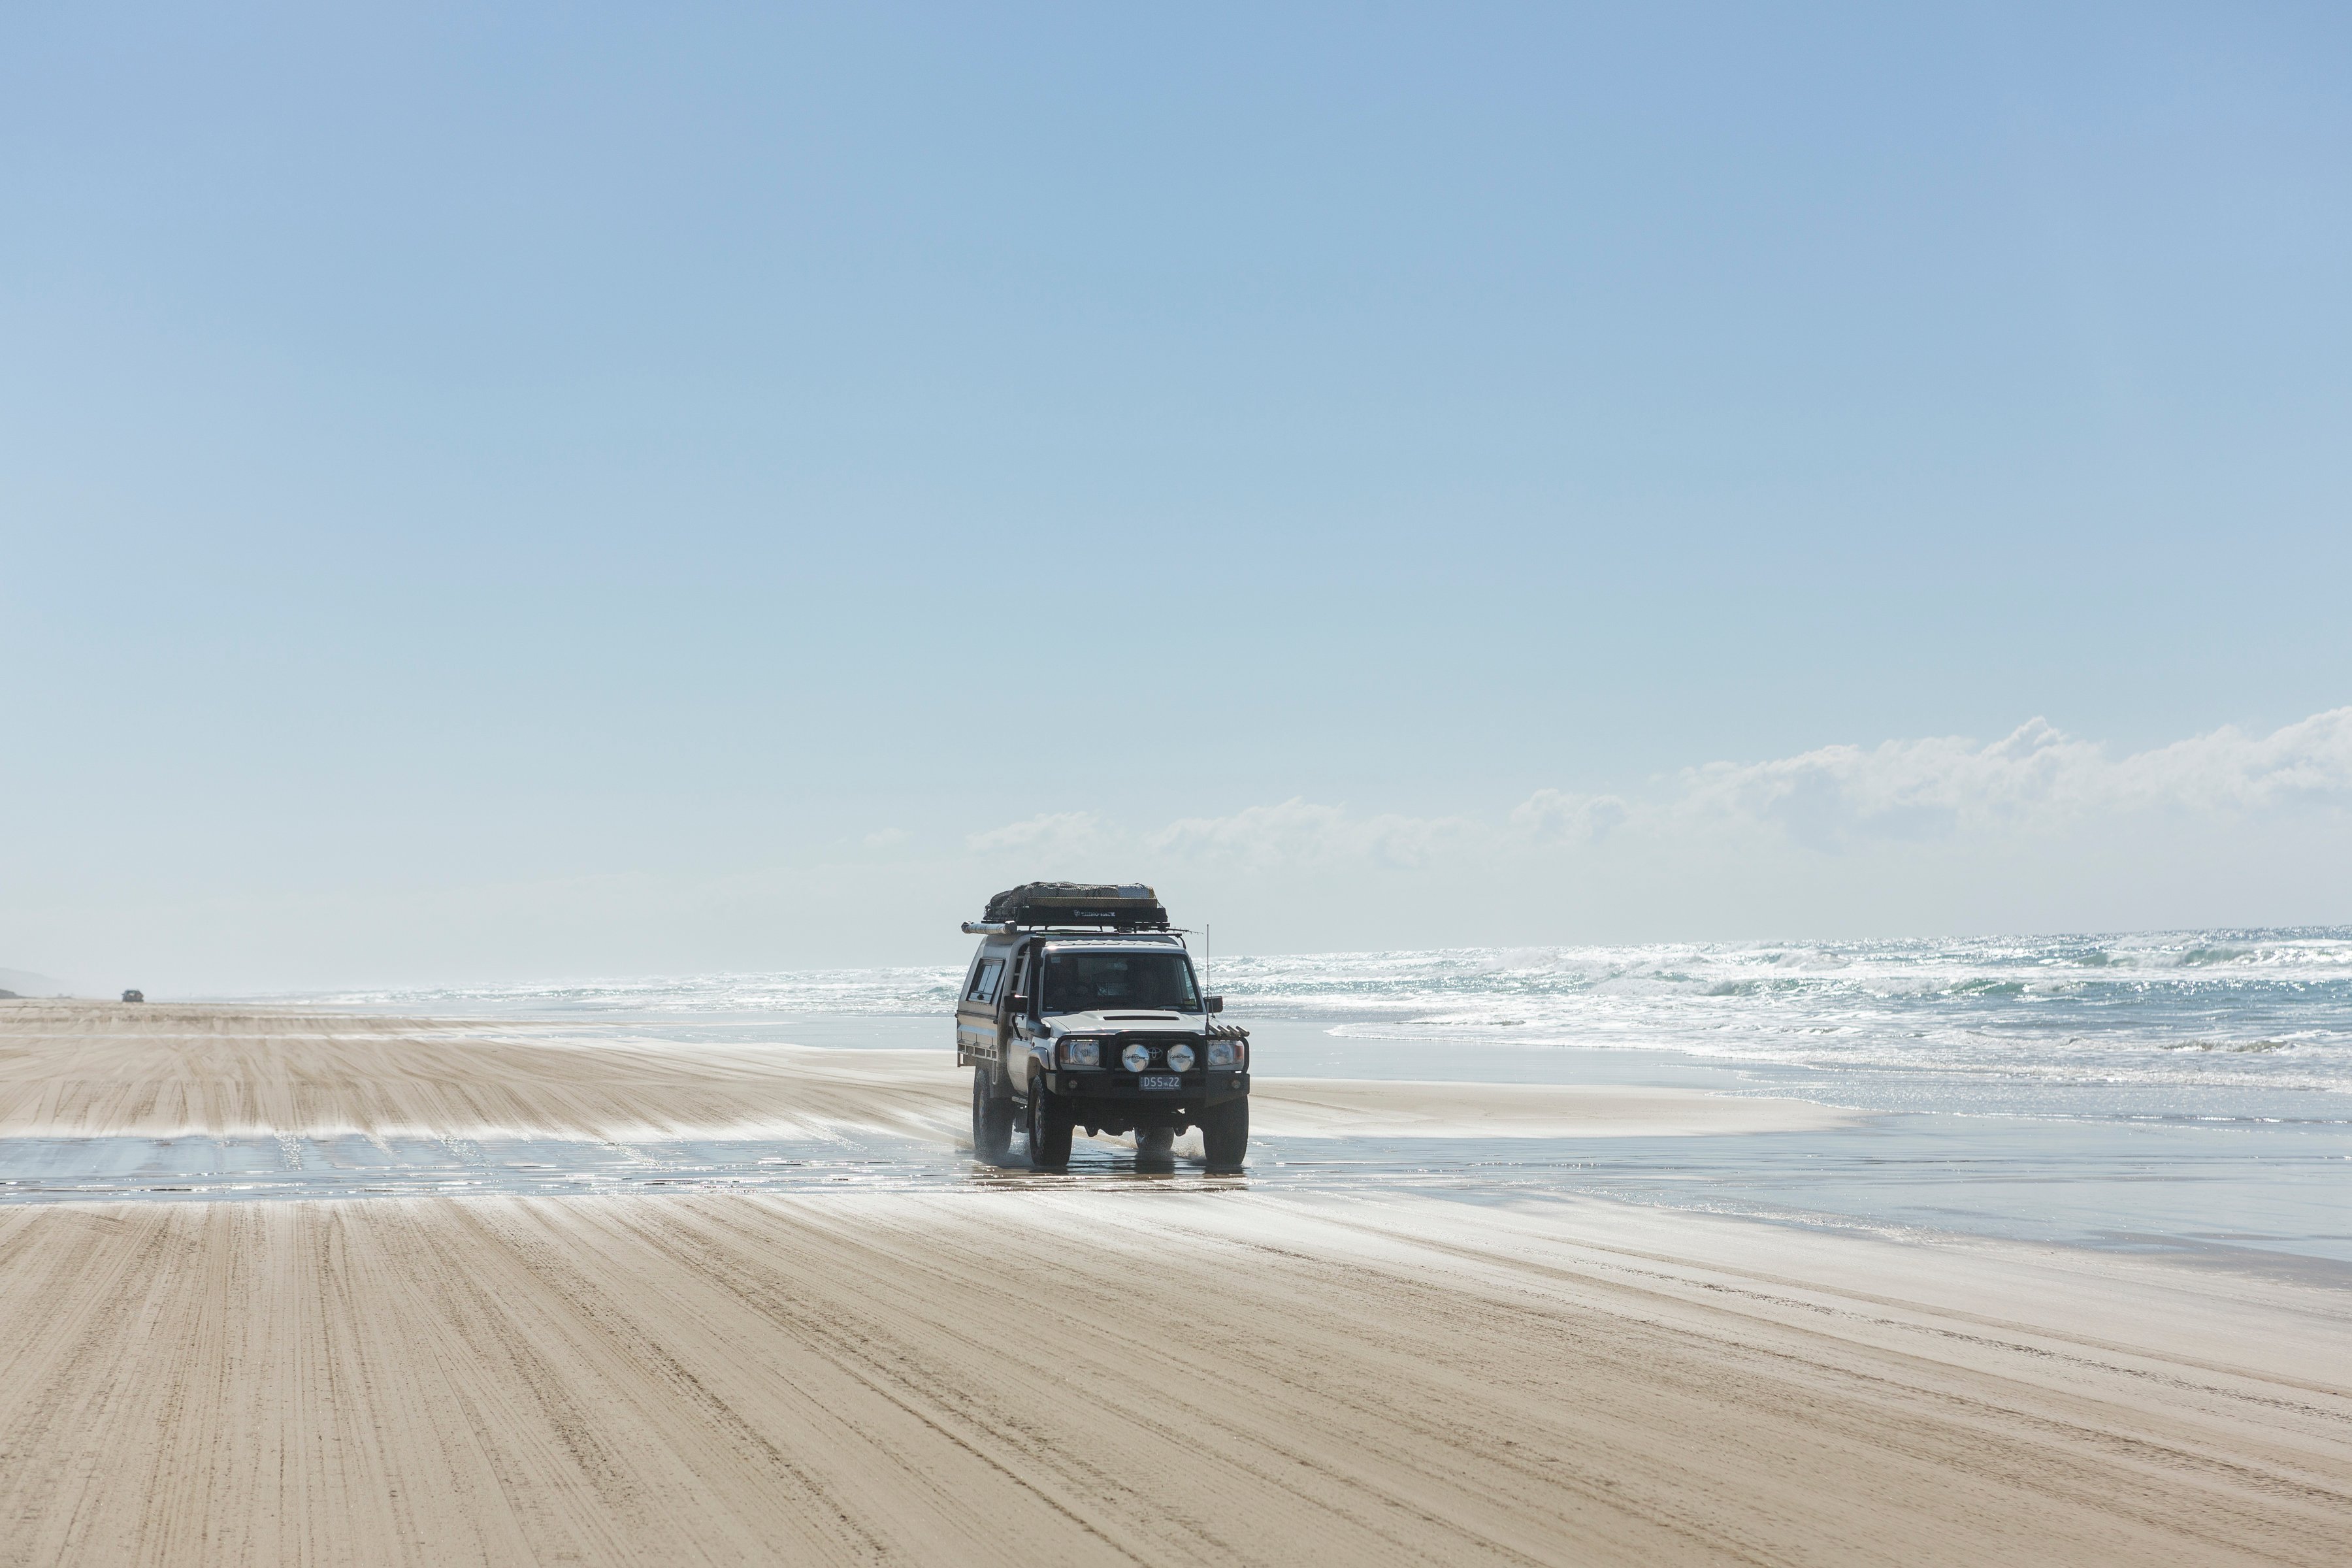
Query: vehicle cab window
{"x": 1079, "y": 982}
{"x": 984, "y": 978}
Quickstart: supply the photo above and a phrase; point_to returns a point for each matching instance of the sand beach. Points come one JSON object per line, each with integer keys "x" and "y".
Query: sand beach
{"x": 1030, "y": 1370}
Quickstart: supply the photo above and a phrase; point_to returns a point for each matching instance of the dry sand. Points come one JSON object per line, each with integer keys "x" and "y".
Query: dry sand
{"x": 1055, "y": 1374}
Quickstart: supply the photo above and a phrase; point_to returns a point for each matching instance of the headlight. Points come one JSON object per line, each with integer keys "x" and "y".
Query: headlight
{"x": 1180, "y": 1057}
{"x": 1137, "y": 1057}
{"x": 1225, "y": 1053}
{"x": 1081, "y": 1053}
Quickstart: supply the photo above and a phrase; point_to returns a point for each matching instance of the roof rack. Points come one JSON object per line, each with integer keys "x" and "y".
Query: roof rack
{"x": 1107, "y": 933}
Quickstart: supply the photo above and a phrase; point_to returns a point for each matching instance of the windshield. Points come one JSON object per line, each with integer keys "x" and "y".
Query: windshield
{"x": 1089, "y": 982}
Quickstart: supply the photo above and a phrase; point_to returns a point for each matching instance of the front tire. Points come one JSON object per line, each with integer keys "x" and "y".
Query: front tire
{"x": 991, "y": 1119}
{"x": 1049, "y": 1130}
{"x": 1224, "y": 1134}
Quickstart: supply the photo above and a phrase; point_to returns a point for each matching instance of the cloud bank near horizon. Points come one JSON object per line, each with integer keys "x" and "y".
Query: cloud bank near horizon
{"x": 2036, "y": 783}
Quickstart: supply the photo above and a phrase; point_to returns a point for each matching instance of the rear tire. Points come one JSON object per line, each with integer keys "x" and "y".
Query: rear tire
{"x": 991, "y": 1119}
{"x": 1154, "y": 1143}
{"x": 1049, "y": 1130}
{"x": 1224, "y": 1132}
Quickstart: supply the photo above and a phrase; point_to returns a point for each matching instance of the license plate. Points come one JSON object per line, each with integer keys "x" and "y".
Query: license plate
{"x": 1162, "y": 1080}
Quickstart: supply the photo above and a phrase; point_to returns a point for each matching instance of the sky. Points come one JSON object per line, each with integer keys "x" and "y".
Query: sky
{"x": 526, "y": 491}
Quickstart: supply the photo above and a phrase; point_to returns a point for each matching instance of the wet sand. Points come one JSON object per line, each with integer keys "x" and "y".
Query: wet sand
{"x": 1032, "y": 1371}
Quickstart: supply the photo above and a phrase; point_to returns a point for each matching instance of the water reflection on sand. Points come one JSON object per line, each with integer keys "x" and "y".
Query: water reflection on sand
{"x": 2268, "y": 1196}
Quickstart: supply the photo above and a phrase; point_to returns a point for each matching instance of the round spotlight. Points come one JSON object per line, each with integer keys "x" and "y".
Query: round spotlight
{"x": 1180, "y": 1057}
{"x": 1137, "y": 1057}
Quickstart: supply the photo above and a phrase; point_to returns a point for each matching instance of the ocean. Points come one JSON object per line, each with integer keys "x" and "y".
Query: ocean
{"x": 2187, "y": 1019}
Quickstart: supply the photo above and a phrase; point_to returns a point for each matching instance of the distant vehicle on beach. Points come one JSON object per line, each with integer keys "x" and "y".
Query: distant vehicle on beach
{"x": 1081, "y": 1009}
{"x": 134, "y": 995}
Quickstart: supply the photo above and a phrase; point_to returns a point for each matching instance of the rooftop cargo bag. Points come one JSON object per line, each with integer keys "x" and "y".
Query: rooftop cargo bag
{"x": 1126, "y": 905}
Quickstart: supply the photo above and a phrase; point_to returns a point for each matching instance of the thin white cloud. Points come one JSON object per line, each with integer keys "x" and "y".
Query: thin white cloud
{"x": 1555, "y": 817}
{"x": 1299, "y": 831}
{"x": 1059, "y": 833}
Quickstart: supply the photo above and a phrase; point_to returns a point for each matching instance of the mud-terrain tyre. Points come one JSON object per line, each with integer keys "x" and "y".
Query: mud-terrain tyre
{"x": 1224, "y": 1132}
{"x": 1154, "y": 1143}
{"x": 991, "y": 1119}
{"x": 1049, "y": 1130}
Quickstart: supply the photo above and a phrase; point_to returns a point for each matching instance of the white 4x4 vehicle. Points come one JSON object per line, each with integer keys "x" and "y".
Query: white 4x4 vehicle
{"x": 1082, "y": 1009}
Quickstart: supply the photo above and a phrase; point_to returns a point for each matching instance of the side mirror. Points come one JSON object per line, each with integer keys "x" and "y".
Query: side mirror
{"x": 1215, "y": 1003}
{"x": 1018, "y": 1003}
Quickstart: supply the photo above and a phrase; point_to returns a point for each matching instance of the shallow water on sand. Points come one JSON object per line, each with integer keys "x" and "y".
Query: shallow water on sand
{"x": 2261, "y": 1183}
{"x": 2222, "y": 1193}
